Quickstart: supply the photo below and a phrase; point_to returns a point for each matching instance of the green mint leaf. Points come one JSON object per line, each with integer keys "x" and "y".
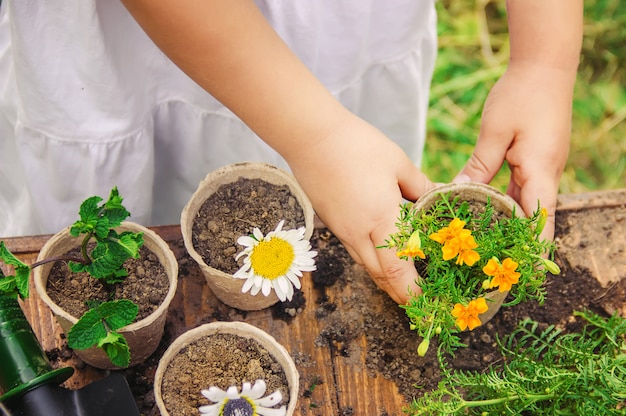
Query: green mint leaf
{"x": 118, "y": 313}
{"x": 116, "y": 348}
{"x": 89, "y": 213}
{"x": 87, "y": 331}
{"x": 102, "y": 228}
{"x": 22, "y": 273}
{"x": 131, "y": 242}
{"x": 8, "y": 286}
{"x": 95, "y": 324}
{"x": 114, "y": 211}
{"x": 106, "y": 258}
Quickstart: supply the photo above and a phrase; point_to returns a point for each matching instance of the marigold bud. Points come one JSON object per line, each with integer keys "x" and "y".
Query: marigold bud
{"x": 438, "y": 330}
{"x": 486, "y": 284}
{"x": 551, "y": 266}
{"x": 423, "y": 347}
{"x": 541, "y": 220}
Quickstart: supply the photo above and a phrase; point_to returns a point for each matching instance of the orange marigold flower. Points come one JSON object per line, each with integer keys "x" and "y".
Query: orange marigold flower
{"x": 467, "y": 316}
{"x": 448, "y": 233}
{"x": 462, "y": 246}
{"x": 407, "y": 252}
{"x": 413, "y": 247}
{"x": 504, "y": 275}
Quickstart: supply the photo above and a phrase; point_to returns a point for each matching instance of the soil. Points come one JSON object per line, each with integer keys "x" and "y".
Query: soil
{"x": 219, "y": 224}
{"x": 71, "y": 290}
{"x": 221, "y": 360}
{"x": 391, "y": 347}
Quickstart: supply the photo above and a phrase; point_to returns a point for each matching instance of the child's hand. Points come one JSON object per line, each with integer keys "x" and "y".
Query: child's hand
{"x": 356, "y": 179}
{"x": 526, "y": 122}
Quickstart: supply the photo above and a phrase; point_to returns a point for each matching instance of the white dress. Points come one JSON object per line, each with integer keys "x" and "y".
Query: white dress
{"x": 87, "y": 101}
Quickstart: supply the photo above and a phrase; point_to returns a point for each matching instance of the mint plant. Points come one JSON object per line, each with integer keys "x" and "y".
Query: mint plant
{"x": 15, "y": 285}
{"x": 103, "y": 253}
{"x": 544, "y": 372}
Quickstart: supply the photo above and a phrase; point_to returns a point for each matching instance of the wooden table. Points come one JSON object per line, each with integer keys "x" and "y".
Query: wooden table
{"x": 346, "y": 388}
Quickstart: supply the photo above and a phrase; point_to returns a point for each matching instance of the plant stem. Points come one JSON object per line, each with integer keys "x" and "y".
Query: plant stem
{"x": 60, "y": 258}
{"x": 476, "y": 403}
{"x": 83, "y": 248}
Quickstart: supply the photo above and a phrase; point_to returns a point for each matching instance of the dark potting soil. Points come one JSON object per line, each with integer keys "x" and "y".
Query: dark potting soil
{"x": 146, "y": 285}
{"x": 234, "y": 211}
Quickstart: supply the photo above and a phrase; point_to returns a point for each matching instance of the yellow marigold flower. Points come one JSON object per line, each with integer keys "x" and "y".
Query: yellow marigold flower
{"x": 448, "y": 233}
{"x": 462, "y": 246}
{"x": 467, "y": 316}
{"x": 504, "y": 275}
{"x": 413, "y": 247}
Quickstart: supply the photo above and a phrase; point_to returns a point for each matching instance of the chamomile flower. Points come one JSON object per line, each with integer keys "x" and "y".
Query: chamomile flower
{"x": 250, "y": 402}
{"x": 275, "y": 261}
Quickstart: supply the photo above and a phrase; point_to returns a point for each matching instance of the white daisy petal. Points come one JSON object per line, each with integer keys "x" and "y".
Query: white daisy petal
{"x": 293, "y": 278}
{"x": 246, "y": 241}
{"x": 255, "y": 290}
{"x": 289, "y": 293}
{"x": 282, "y": 284}
{"x": 232, "y": 393}
{"x": 258, "y": 235}
{"x": 266, "y": 287}
{"x": 246, "y": 387}
{"x": 271, "y": 400}
{"x": 246, "y": 285}
{"x": 215, "y": 394}
{"x": 210, "y": 409}
{"x": 257, "y": 391}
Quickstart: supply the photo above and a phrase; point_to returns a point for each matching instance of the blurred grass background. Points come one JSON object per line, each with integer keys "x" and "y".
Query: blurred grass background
{"x": 473, "y": 53}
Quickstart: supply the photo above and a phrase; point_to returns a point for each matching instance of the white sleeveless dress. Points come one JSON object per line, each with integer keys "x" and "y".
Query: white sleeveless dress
{"x": 87, "y": 101}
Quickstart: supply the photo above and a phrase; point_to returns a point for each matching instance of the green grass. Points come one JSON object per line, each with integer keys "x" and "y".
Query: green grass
{"x": 473, "y": 53}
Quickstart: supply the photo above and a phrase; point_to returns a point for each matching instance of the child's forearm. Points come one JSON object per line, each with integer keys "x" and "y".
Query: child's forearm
{"x": 546, "y": 33}
{"x": 230, "y": 50}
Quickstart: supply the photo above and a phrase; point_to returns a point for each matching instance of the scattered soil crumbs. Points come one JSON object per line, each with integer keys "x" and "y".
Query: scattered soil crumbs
{"x": 70, "y": 290}
{"x": 221, "y": 360}
{"x": 235, "y": 210}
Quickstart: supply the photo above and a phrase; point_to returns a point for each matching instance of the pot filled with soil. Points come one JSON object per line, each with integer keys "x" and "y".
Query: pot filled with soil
{"x": 472, "y": 247}
{"x": 150, "y": 284}
{"x": 232, "y": 366}
{"x": 234, "y": 211}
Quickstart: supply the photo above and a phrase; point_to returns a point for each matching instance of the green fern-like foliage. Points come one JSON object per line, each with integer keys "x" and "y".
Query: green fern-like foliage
{"x": 544, "y": 372}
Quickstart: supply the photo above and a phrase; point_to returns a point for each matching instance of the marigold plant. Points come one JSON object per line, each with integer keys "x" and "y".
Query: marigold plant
{"x": 462, "y": 253}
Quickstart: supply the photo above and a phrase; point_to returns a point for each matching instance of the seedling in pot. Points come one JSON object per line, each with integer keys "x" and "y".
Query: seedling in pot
{"x": 28, "y": 383}
{"x": 103, "y": 253}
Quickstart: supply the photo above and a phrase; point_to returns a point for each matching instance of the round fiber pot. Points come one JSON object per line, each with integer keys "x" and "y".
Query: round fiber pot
{"x": 143, "y": 336}
{"x": 182, "y": 388}
{"x": 479, "y": 194}
{"x": 221, "y": 282}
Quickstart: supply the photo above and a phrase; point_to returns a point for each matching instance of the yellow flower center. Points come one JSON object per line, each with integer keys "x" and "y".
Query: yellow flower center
{"x": 273, "y": 258}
